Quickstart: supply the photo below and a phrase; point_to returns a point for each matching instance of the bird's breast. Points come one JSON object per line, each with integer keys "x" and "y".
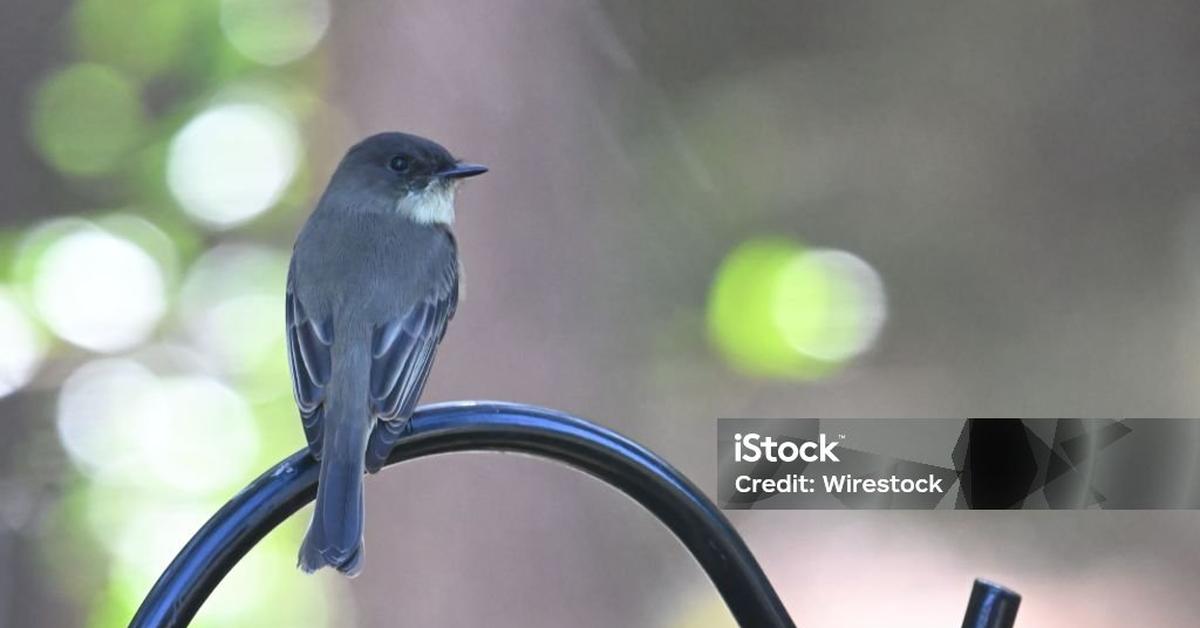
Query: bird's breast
{"x": 371, "y": 266}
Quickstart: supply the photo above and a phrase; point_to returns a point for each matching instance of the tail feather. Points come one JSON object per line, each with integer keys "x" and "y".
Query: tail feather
{"x": 335, "y": 535}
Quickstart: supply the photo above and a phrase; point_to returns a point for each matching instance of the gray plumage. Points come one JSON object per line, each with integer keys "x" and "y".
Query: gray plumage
{"x": 373, "y": 283}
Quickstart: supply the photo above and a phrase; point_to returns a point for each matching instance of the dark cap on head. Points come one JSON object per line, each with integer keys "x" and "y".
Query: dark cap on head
{"x": 409, "y": 156}
{"x": 389, "y": 166}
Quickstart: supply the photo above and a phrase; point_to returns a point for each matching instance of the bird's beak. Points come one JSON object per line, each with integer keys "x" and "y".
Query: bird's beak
{"x": 462, "y": 170}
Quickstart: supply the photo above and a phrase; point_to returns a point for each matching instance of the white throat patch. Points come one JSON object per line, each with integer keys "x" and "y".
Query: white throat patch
{"x": 434, "y": 204}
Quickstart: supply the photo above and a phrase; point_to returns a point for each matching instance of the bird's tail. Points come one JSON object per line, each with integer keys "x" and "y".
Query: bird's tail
{"x": 335, "y": 535}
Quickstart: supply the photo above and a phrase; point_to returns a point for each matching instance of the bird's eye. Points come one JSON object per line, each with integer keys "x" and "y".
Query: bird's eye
{"x": 399, "y": 163}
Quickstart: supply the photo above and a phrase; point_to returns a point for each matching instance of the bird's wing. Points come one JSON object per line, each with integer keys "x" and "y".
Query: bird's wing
{"x": 309, "y": 344}
{"x": 402, "y": 351}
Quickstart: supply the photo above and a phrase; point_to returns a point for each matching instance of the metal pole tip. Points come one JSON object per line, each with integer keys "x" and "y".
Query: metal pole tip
{"x": 991, "y": 606}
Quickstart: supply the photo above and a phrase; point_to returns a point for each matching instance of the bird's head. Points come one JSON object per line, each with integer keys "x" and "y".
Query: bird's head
{"x": 401, "y": 172}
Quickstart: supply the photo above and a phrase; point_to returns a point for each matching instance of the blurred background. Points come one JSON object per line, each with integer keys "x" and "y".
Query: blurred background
{"x": 696, "y": 209}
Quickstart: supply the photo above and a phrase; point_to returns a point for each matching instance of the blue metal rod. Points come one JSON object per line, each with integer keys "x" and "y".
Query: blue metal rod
{"x": 444, "y": 428}
{"x": 991, "y": 606}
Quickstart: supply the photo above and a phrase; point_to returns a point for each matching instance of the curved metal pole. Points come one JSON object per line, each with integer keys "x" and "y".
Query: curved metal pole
{"x": 443, "y": 428}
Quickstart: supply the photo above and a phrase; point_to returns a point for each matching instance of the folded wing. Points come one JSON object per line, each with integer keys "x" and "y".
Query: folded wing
{"x": 402, "y": 352}
{"x": 309, "y": 343}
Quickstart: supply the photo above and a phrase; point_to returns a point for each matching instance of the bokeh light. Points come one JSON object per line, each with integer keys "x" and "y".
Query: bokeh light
{"x": 191, "y": 408}
{"x": 196, "y": 435}
{"x": 86, "y": 118}
{"x": 147, "y": 236}
{"x": 160, "y": 451}
{"x": 145, "y": 543}
{"x": 179, "y": 434}
{"x": 232, "y": 305}
{"x": 97, "y": 290}
{"x": 102, "y": 30}
{"x": 274, "y": 32}
{"x": 778, "y": 309}
{"x": 93, "y": 422}
{"x": 232, "y": 162}
{"x": 828, "y": 304}
{"x": 23, "y": 347}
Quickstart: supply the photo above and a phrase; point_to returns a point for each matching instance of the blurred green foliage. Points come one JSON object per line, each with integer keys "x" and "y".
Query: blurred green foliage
{"x": 172, "y": 427}
{"x": 86, "y": 118}
{"x": 746, "y": 319}
{"x": 141, "y": 37}
{"x": 778, "y": 309}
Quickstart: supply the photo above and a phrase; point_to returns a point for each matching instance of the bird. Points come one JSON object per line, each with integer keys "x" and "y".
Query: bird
{"x": 373, "y": 283}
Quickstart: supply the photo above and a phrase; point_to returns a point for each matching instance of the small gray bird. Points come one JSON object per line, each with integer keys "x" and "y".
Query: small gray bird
{"x": 372, "y": 284}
